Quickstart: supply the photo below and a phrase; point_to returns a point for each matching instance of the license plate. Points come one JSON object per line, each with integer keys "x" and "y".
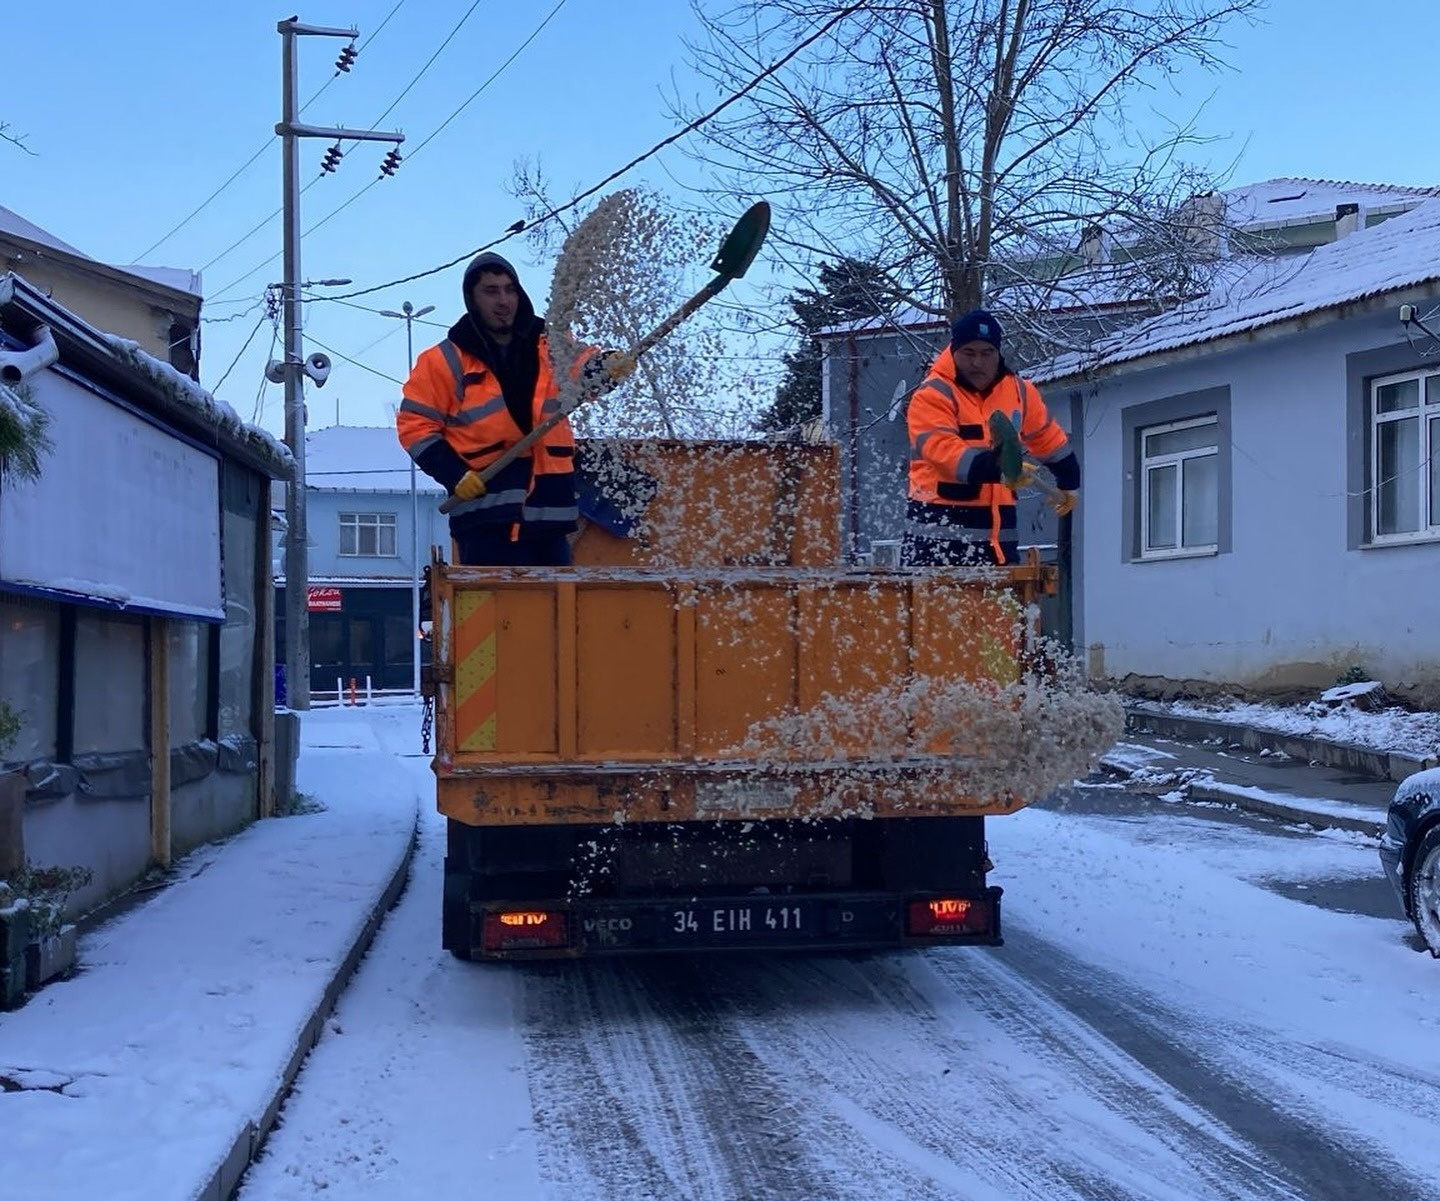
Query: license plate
{"x": 756, "y": 920}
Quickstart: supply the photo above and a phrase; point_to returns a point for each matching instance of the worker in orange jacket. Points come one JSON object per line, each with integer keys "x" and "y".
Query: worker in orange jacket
{"x": 960, "y": 511}
{"x": 474, "y": 395}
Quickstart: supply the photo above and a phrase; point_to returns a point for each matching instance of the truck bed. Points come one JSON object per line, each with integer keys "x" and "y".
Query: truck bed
{"x": 602, "y": 695}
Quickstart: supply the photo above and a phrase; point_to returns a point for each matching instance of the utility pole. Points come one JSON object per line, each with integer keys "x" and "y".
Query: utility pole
{"x": 294, "y": 368}
{"x": 409, "y": 315}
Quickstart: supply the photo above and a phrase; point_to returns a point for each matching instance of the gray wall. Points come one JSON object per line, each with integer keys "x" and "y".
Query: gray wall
{"x": 1294, "y": 596}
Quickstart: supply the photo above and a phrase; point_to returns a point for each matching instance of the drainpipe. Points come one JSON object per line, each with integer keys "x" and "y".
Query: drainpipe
{"x": 16, "y": 366}
{"x": 853, "y": 387}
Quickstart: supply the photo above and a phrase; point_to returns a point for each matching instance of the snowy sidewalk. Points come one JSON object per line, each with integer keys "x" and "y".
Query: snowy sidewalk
{"x": 1341, "y": 781}
{"x": 155, "y": 1072}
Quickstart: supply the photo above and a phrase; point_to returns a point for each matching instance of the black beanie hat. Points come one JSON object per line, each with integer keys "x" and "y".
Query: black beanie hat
{"x": 976, "y": 326}
{"x": 488, "y": 261}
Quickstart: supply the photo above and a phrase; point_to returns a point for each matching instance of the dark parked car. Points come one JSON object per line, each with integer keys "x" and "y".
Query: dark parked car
{"x": 1410, "y": 852}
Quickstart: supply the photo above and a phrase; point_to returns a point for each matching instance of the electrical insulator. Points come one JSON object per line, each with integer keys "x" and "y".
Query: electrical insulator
{"x": 347, "y": 58}
{"x": 332, "y": 158}
{"x": 392, "y": 161}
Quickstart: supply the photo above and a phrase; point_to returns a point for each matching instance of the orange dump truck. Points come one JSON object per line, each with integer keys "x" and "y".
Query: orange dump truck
{"x": 711, "y": 734}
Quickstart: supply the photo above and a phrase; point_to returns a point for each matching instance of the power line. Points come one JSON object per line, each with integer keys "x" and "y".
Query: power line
{"x": 353, "y": 362}
{"x": 184, "y": 221}
{"x": 690, "y": 128}
{"x": 430, "y": 62}
{"x": 335, "y": 212}
{"x": 237, "y": 357}
{"x": 493, "y": 77}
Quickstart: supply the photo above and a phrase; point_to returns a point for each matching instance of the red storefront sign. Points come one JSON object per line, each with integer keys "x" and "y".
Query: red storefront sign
{"x": 321, "y": 599}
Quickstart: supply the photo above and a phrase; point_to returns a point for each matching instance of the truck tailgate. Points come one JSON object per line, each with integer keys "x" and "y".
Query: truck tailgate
{"x": 602, "y": 695}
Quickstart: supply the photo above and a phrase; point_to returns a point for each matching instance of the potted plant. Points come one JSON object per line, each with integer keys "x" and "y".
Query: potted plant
{"x": 50, "y": 951}
{"x": 14, "y": 937}
{"x": 12, "y": 797}
{"x": 14, "y": 912}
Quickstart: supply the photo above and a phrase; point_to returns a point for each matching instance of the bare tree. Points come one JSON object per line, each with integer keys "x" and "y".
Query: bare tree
{"x": 14, "y": 139}
{"x": 979, "y": 151}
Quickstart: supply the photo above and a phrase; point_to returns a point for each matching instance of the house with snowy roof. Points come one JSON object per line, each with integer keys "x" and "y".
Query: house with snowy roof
{"x": 158, "y": 308}
{"x": 1258, "y": 232}
{"x": 135, "y": 604}
{"x": 1261, "y": 507}
{"x": 368, "y": 546}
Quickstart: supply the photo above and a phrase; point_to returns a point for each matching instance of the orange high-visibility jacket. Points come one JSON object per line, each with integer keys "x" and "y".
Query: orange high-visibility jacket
{"x": 452, "y": 396}
{"x": 955, "y": 489}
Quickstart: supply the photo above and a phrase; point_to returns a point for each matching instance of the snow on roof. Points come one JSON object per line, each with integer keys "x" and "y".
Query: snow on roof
{"x": 1295, "y": 198}
{"x": 360, "y": 458}
{"x": 1402, "y": 252}
{"x": 183, "y": 390}
{"x": 179, "y": 279}
{"x": 1287, "y": 200}
{"x": 13, "y": 223}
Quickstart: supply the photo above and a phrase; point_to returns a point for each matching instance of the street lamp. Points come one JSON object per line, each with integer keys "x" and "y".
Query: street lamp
{"x": 409, "y": 314}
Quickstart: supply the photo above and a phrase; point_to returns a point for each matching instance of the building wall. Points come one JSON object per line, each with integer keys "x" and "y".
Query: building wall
{"x": 323, "y": 518}
{"x": 1295, "y": 596}
{"x": 370, "y": 637}
{"x": 163, "y": 322}
{"x": 130, "y": 718}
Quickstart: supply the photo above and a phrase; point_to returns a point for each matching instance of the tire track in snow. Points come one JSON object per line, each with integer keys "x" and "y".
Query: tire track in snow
{"x": 642, "y": 1090}
{"x": 1211, "y": 1061}
{"x": 1034, "y": 1118}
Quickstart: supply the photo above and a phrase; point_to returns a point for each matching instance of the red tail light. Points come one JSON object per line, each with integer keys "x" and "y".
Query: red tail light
{"x": 939, "y": 916}
{"x": 524, "y": 929}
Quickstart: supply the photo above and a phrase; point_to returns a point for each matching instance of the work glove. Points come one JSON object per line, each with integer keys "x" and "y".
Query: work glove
{"x": 1024, "y": 479}
{"x": 470, "y": 487}
{"x": 617, "y": 366}
{"x": 1063, "y": 502}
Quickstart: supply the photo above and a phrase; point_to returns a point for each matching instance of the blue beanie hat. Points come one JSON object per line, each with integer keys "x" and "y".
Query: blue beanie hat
{"x": 976, "y": 326}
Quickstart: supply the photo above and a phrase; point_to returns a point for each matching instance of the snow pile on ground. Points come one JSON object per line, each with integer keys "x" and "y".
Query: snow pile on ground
{"x": 1399, "y": 730}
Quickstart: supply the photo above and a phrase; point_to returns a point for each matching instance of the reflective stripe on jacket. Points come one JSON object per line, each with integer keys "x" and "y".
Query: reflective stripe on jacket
{"x": 955, "y": 493}
{"x": 452, "y": 396}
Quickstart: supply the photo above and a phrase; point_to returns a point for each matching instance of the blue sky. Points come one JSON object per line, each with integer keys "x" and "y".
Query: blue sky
{"x": 138, "y": 112}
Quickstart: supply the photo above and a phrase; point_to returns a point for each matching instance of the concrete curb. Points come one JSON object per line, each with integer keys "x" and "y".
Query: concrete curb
{"x": 1379, "y": 765}
{"x": 1272, "y": 807}
{"x": 251, "y": 1138}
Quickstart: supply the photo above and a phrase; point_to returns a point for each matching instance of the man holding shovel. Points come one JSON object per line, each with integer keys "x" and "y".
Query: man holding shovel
{"x": 969, "y": 423}
{"x": 474, "y": 396}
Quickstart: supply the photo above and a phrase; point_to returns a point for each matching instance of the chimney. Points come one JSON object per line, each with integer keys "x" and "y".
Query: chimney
{"x": 1095, "y": 246}
{"x": 1204, "y": 218}
{"x": 1347, "y": 220}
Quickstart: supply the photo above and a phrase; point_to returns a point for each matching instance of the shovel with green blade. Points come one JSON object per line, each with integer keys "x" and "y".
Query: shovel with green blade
{"x": 1005, "y": 440}
{"x": 736, "y": 253}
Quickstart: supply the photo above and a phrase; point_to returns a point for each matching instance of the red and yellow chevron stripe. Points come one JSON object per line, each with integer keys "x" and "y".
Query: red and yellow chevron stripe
{"x": 474, "y": 671}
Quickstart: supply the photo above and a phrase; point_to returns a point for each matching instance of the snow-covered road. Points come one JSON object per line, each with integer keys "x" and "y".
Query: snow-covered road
{"x": 1159, "y": 1026}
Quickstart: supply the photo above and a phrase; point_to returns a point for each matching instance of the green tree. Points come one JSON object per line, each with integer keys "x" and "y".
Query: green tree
{"x": 850, "y": 289}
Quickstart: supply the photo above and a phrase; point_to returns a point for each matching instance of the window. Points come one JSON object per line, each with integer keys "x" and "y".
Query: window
{"x": 110, "y": 675}
{"x": 1180, "y": 488}
{"x": 236, "y": 669}
{"x": 1404, "y": 473}
{"x": 367, "y": 535}
{"x": 30, "y": 674}
{"x": 189, "y": 683}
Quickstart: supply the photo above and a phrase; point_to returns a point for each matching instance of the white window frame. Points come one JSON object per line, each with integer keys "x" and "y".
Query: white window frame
{"x": 1149, "y": 464}
{"x": 1426, "y": 413}
{"x": 357, "y": 525}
